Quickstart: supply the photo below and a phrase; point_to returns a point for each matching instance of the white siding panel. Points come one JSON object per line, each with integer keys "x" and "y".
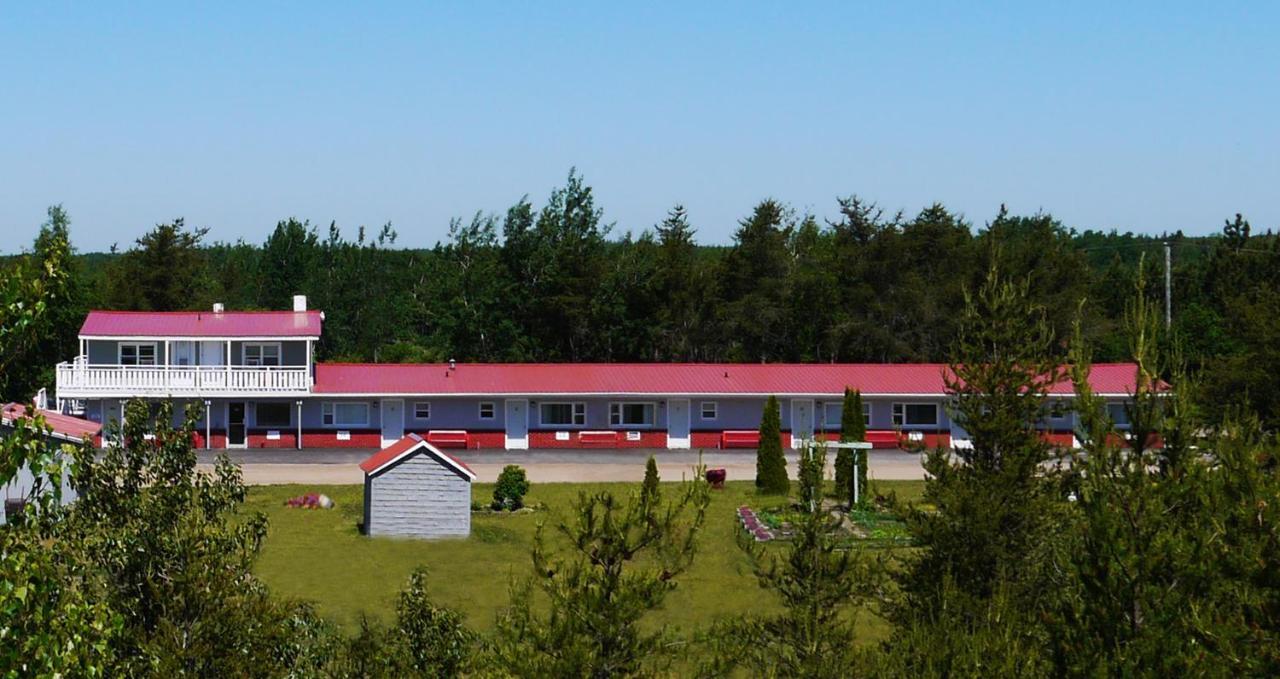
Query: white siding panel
{"x": 420, "y": 497}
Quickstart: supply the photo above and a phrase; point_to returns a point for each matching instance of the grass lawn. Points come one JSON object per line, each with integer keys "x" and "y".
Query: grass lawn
{"x": 319, "y": 556}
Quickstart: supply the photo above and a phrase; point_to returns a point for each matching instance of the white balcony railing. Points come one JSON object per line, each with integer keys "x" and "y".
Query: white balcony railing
{"x": 79, "y": 379}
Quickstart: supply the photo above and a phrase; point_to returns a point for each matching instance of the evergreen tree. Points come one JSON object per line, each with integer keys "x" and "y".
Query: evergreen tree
{"x": 996, "y": 504}
{"x": 650, "y": 489}
{"x": 820, "y": 583}
{"x": 287, "y": 263}
{"x": 851, "y": 463}
{"x": 582, "y": 613}
{"x": 164, "y": 271}
{"x": 771, "y": 464}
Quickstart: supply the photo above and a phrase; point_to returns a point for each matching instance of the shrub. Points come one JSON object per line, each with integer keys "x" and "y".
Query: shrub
{"x": 509, "y": 492}
{"x": 771, "y": 466}
{"x": 650, "y": 487}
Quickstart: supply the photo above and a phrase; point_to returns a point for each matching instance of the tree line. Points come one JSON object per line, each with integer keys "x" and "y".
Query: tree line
{"x": 556, "y": 282}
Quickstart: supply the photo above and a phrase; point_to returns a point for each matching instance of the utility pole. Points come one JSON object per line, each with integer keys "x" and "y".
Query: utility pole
{"x": 1168, "y": 287}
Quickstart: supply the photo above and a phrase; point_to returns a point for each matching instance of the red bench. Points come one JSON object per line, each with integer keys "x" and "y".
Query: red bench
{"x": 740, "y": 439}
{"x": 449, "y": 438}
{"x": 884, "y": 439}
{"x": 598, "y": 438}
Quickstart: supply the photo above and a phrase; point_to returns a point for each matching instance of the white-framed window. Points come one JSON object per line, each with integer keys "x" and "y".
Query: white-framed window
{"x": 1119, "y": 414}
{"x": 710, "y": 410}
{"x": 833, "y": 411}
{"x": 563, "y": 414}
{"x": 272, "y": 414}
{"x": 632, "y": 414}
{"x": 344, "y": 414}
{"x": 422, "y": 410}
{"x": 137, "y": 353}
{"x": 487, "y": 410}
{"x": 833, "y": 414}
{"x": 915, "y": 414}
{"x": 260, "y": 353}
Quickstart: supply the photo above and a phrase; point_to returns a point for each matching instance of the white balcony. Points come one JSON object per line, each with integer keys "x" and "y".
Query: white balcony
{"x": 80, "y": 379}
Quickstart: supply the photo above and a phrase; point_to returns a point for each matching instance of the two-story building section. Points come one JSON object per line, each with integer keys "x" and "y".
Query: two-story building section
{"x": 255, "y": 374}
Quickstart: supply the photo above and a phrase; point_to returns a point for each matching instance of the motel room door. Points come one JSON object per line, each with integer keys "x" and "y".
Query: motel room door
{"x": 517, "y": 424}
{"x": 678, "y": 423}
{"x": 801, "y": 420}
{"x": 235, "y": 424}
{"x": 392, "y": 420}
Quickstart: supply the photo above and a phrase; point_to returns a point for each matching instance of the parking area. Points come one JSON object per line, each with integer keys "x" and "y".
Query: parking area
{"x": 339, "y": 465}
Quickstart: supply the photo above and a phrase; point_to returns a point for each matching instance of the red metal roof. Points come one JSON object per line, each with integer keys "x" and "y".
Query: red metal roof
{"x": 662, "y": 378}
{"x": 202, "y": 324}
{"x": 405, "y": 446}
{"x": 63, "y": 426}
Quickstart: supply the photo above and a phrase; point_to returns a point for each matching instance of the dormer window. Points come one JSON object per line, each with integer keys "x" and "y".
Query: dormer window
{"x": 261, "y": 353}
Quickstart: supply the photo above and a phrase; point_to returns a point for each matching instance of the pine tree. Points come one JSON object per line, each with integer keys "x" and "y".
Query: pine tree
{"x": 851, "y": 462}
{"x": 820, "y": 583}
{"x": 649, "y": 489}
{"x": 771, "y": 465}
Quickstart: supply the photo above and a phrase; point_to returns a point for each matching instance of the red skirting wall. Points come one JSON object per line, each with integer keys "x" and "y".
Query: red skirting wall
{"x": 547, "y": 439}
{"x": 488, "y": 439}
{"x": 360, "y": 438}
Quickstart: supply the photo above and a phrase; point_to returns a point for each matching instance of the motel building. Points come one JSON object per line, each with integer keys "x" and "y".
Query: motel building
{"x": 261, "y": 387}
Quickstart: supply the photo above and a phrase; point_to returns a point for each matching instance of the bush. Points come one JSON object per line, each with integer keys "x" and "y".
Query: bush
{"x": 509, "y": 492}
{"x": 649, "y": 488}
{"x": 771, "y": 465}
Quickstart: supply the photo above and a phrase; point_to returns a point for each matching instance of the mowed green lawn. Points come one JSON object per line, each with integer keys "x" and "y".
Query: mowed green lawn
{"x": 318, "y": 555}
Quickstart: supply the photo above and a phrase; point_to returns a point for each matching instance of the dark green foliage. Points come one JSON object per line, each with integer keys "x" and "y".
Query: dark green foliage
{"x": 995, "y": 504}
{"x": 40, "y": 311}
{"x": 582, "y": 612}
{"x": 771, "y": 464}
{"x": 853, "y": 427}
{"x": 510, "y": 489}
{"x": 650, "y": 488}
{"x": 821, "y": 586}
{"x": 428, "y": 641}
{"x": 166, "y": 270}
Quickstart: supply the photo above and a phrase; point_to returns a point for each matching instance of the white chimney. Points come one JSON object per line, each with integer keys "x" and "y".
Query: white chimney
{"x": 299, "y": 302}
{"x": 218, "y": 307}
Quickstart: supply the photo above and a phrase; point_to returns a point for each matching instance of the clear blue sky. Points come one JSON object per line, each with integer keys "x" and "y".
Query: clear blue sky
{"x": 1163, "y": 116}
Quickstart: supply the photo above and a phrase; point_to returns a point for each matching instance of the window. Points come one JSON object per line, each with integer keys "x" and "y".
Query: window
{"x": 832, "y": 414}
{"x": 486, "y": 410}
{"x": 261, "y": 353}
{"x": 137, "y": 353}
{"x": 345, "y": 414}
{"x": 631, "y": 414}
{"x": 915, "y": 414}
{"x": 1119, "y": 414}
{"x": 422, "y": 410}
{"x": 272, "y": 414}
{"x": 563, "y": 414}
{"x": 710, "y": 410}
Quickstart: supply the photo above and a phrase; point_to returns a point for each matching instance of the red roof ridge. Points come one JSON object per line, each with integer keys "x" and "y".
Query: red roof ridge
{"x": 406, "y": 445}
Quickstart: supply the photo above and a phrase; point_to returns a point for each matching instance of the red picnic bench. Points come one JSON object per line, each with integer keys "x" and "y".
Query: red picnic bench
{"x": 884, "y": 438}
{"x": 740, "y": 439}
{"x": 449, "y": 438}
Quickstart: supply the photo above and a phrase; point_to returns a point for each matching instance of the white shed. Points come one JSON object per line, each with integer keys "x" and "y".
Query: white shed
{"x": 412, "y": 488}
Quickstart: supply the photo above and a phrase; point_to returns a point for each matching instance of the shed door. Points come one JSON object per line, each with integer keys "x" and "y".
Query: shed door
{"x": 517, "y": 418}
{"x": 801, "y": 421}
{"x": 392, "y": 420}
{"x": 678, "y": 423}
